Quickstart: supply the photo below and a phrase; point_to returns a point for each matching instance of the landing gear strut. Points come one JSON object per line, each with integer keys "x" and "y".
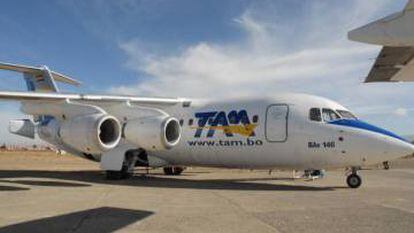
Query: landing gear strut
{"x": 354, "y": 180}
{"x": 173, "y": 171}
{"x": 127, "y": 171}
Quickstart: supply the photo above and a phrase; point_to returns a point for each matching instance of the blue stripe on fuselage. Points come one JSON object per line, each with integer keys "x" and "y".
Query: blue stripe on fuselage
{"x": 363, "y": 125}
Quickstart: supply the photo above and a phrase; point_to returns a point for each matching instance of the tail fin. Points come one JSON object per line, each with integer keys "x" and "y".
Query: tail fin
{"x": 39, "y": 79}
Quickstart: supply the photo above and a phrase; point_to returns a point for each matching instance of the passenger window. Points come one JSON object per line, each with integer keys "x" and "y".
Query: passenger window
{"x": 329, "y": 115}
{"x": 255, "y": 119}
{"x": 315, "y": 114}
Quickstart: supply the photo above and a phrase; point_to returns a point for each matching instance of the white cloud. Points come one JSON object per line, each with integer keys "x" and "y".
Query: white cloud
{"x": 307, "y": 53}
{"x": 269, "y": 59}
{"x": 401, "y": 112}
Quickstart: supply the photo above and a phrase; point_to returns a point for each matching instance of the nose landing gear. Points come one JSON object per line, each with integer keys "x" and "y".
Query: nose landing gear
{"x": 353, "y": 179}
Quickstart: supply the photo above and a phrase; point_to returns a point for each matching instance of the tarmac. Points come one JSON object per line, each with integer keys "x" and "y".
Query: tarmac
{"x": 44, "y": 192}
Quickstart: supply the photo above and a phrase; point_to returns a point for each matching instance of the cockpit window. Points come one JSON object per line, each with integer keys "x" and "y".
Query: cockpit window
{"x": 315, "y": 114}
{"x": 346, "y": 115}
{"x": 329, "y": 115}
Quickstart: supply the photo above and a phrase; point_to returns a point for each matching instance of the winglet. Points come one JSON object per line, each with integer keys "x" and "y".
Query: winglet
{"x": 38, "y": 71}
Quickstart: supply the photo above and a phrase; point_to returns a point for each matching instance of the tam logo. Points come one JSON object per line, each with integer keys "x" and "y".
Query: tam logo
{"x": 235, "y": 122}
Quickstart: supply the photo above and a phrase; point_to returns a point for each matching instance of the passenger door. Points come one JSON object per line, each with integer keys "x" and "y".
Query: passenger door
{"x": 276, "y": 129}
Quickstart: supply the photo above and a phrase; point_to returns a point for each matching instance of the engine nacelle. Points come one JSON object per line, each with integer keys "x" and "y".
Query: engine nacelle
{"x": 153, "y": 133}
{"x": 92, "y": 134}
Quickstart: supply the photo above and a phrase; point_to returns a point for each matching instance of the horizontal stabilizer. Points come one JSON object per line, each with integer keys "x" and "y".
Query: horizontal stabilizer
{"x": 36, "y": 71}
{"x": 23, "y": 127}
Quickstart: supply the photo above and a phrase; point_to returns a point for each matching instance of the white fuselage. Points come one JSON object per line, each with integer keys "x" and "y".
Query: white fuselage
{"x": 275, "y": 132}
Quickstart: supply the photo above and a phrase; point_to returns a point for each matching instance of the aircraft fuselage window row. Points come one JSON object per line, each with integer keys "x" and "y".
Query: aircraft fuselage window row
{"x": 326, "y": 115}
{"x": 255, "y": 120}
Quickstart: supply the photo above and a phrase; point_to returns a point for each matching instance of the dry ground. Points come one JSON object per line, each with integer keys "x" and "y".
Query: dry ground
{"x": 44, "y": 192}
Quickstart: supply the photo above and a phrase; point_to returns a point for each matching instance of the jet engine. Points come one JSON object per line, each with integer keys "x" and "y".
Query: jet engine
{"x": 94, "y": 134}
{"x": 153, "y": 133}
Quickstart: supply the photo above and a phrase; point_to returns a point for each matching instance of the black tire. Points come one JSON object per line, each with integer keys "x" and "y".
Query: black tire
{"x": 167, "y": 171}
{"x": 177, "y": 171}
{"x": 386, "y": 165}
{"x": 354, "y": 181}
{"x": 173, "y": 171}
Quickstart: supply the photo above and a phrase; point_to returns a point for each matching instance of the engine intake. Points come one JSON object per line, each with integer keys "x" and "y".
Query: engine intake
{"x": 93, "y": 134}
{"x": 153, "y": 133}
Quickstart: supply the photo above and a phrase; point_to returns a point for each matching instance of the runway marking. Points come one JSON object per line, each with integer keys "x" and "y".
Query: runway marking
{"x": 398, "y": 208}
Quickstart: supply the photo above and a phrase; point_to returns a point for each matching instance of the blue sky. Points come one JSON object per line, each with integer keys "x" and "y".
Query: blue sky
{"x": 202, "y": 49}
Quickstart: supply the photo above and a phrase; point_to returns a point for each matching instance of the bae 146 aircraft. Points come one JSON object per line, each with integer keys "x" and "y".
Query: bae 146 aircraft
{"x": 293, "y": 131}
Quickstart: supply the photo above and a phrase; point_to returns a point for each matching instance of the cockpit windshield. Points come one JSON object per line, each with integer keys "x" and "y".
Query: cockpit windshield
{"x": 346, "y": 115}
{"x": 329, "y": 115}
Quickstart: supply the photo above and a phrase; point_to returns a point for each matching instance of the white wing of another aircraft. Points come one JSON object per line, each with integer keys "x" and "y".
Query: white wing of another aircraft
{"x": 395, "y": 62}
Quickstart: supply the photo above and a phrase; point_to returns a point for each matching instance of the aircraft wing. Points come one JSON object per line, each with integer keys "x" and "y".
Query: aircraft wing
{"x": 56, "y": 97}
{"x": 395, "y": 33}
{"x": 393, "y": 64}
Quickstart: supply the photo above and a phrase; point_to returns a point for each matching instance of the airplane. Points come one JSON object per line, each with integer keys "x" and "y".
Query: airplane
{"x": 286, "y": 131}
{"x": 395, "y": 32}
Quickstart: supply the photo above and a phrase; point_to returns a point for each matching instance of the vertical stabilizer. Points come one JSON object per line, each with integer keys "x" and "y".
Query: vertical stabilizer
{"x": 42, "y": 82}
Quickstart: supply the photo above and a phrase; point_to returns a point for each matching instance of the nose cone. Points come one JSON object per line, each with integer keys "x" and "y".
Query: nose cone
{"x": 399, "y": 148}
{"x": 375, "y": 144}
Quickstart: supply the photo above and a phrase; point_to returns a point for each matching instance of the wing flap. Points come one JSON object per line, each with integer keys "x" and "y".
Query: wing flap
{"x": 390, "y": 62}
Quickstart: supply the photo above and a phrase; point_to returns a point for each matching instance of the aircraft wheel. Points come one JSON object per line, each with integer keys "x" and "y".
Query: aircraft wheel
{"x": 354, "y": 181}
{"x": 173, "y": 171}
{"x": 386, "y": 165}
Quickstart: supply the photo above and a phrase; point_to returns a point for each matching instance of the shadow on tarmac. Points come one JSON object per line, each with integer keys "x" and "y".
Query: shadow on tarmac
{"x": 45, "y": 183}
{"x": 95, "y": 177}
{"x": 12, "y": 188}
{"x": 103, "y": 220}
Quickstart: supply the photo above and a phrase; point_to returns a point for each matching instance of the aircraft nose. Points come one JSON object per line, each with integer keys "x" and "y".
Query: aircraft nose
{"x": 400, "y": 148}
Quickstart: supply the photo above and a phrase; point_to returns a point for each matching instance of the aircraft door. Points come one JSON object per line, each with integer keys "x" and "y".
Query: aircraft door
{"x": 276, "y": 129}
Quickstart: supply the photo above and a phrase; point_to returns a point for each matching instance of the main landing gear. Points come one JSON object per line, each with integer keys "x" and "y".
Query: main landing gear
{"x": 386, "y": 165}
{"x": 173, "y": 171}
{"x": 353, "y": 179}
{"x": 132, "y": 157}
